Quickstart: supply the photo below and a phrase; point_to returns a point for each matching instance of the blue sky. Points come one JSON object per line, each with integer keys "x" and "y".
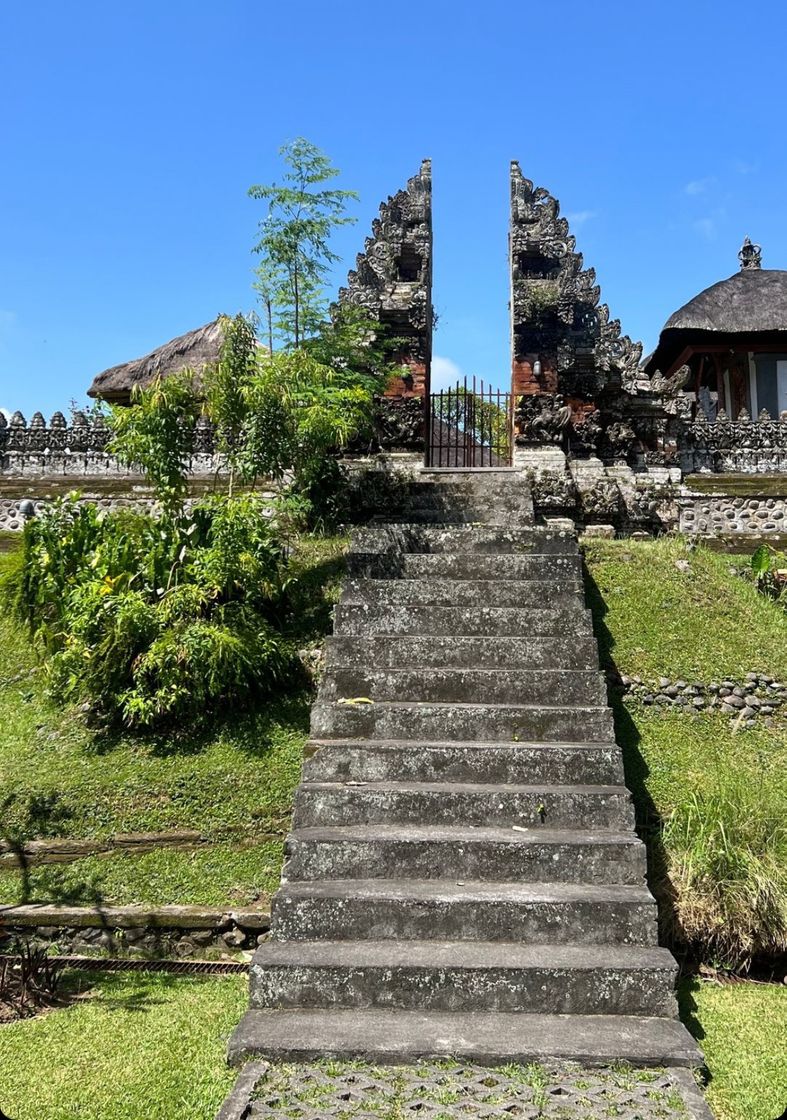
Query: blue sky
{"x": 131, "y": 132}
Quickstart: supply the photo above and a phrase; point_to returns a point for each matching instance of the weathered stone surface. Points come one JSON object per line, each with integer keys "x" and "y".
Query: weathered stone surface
{"x": 534, "y": 855}
{"x": 392, "y": 279}
{"x": 489, "y": 1038}
{"x": 465, "y": 976}
{"x": 413, "y": 909}
{"x": 552, "y": 763}
{"x": 429, "y": 870}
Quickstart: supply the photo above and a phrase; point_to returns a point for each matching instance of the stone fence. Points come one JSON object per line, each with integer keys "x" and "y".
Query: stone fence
{"x": 38, "y": 449}
{"x": 79, "y": 447}
{"x": 742, "y": 446}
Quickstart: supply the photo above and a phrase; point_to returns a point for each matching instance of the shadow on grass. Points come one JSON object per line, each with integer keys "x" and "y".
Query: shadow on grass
{"x": 250, "y": 728}
{"x": 649, "y": 821}
{"x": 136, "y": 1000}
{"x": 309, "y": 601}
{"x": 687, "y": 1006}
{"x": 40, "y": 816}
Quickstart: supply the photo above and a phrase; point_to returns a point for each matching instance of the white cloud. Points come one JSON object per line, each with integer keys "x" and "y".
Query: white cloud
{"x": 707, "y": 227}
{"x": 5, "y": 412}
{"x": 699, "y": 186}
{"x": 744, "y": 168}
{"x": 445, "y": 373}
{"x": 579, "y": 217}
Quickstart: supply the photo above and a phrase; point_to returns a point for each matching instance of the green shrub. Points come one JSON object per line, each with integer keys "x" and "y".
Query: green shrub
{"x": 145, "y": 619}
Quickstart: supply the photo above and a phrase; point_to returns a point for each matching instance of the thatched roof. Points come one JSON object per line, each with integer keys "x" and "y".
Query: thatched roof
{"x": 750, "y": 300}
{"x": 195, "y": 350}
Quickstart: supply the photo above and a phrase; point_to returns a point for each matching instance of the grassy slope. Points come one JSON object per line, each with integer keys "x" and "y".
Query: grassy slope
{"x": 703, "y": 623}
{"x": 234, "y": 782}
{"x": 138, "y": 1045}
{"x": 741, "y": 1028}
{"x": 150, "y": 1045}
{"x": 654, "y": 619}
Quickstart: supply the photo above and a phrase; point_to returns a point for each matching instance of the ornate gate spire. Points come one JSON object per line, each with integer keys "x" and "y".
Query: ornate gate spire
{"x": 392, "y": 279}
{"x": 562, "y": 337}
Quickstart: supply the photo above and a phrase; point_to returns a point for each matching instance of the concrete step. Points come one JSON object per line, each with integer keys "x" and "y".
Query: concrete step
{"x": 472, "y": 538}
{"x": 489, "y": 1038}
{"x": 462, "y": 592}
{"x": 568, "y": 651}
{"x": 464, "y": 565}
{"x": 366, "y": 619}
{"x": 433, "y": 514}
{"x": 491, "y": 500}
{"x": 491, "y": 686}
{"x": 496, "y": 722}
{"x": 413, "y": 909}
{"x": 333, "y": 804}
{"x": 465, "y": 976}
{"x": 534, "y": 855}
{"x": 337, "y": 760}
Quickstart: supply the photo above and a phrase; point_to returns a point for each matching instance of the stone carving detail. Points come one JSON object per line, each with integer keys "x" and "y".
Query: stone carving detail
{"x": 399, "y": 423}
{"x": 76, "y": 448}
{"x": 749, "y": 255}
{"x": 542, "y": 418}
{"x": 80, "y": 447}
{"x": 602, "y": 502}
{"x": 734, "y": 445}
{"x": 586, "y": 433}
{"x": 557, "y": 318}
{"x": 553, "y": 491}
{"x": 392, "y": 278}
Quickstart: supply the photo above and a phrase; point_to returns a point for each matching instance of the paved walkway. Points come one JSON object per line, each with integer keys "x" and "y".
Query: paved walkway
{"x": 452, "y": 1091}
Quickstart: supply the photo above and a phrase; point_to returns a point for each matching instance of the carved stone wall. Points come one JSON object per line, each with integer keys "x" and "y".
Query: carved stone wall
{"x": 392, "y": 280}
{"x": 79, "y": 448}
{"x": 576, "y": 378}
{"x": 563, "y": 338}
{"x": 742, "y": 446}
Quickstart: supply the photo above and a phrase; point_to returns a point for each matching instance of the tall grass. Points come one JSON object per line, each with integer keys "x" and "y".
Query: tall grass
{"x": 726, "y": 867}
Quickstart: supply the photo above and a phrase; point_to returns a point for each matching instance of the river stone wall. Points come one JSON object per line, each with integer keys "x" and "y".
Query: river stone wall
{"x": 720, "y": 515}
{"x": 133, "y": 931}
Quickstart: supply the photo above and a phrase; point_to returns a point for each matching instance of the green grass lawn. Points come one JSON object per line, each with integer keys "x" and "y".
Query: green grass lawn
{"x": 655, "y": 619}
{"x": 233, "y": 783}
{"x": 211, "y": 875}
{"x": 153, "y": 1046}
{"x": 712, "y": 801}
{"x": 742, "y": 1029}
{"x": 138, "y": 1046}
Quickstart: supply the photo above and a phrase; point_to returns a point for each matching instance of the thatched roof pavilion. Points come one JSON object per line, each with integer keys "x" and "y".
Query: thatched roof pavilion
{"x": 194, "y": 350}
{"x": 732, "y": 341}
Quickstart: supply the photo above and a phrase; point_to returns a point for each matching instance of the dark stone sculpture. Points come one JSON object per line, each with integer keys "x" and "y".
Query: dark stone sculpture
{"x": 563, "y": 337}
{"x": 392, "y": 280}
{"x": 542, "y": 418}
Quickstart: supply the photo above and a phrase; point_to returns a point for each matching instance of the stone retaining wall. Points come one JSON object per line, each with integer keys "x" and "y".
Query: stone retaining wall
{"x": 723, "y": 514}
{"x": 134, "y": 931}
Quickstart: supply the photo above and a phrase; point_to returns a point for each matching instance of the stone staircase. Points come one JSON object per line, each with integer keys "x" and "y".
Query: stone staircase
{"x": 463, "y": 876}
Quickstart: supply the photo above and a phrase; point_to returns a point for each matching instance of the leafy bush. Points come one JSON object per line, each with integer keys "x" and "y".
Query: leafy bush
{"x": 148, "y": 619}
{"x": 769, "y": 571}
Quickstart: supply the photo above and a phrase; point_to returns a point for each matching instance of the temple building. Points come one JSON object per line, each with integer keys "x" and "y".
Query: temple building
{"x": 693, "y": 437}
{"x": 732, "y": 339}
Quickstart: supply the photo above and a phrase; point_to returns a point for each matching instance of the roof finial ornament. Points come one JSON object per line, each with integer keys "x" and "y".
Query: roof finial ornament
{"x": 749, "y": 255}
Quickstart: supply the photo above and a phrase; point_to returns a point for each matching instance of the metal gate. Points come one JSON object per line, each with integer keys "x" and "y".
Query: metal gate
{"x": 469, "y": 426}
